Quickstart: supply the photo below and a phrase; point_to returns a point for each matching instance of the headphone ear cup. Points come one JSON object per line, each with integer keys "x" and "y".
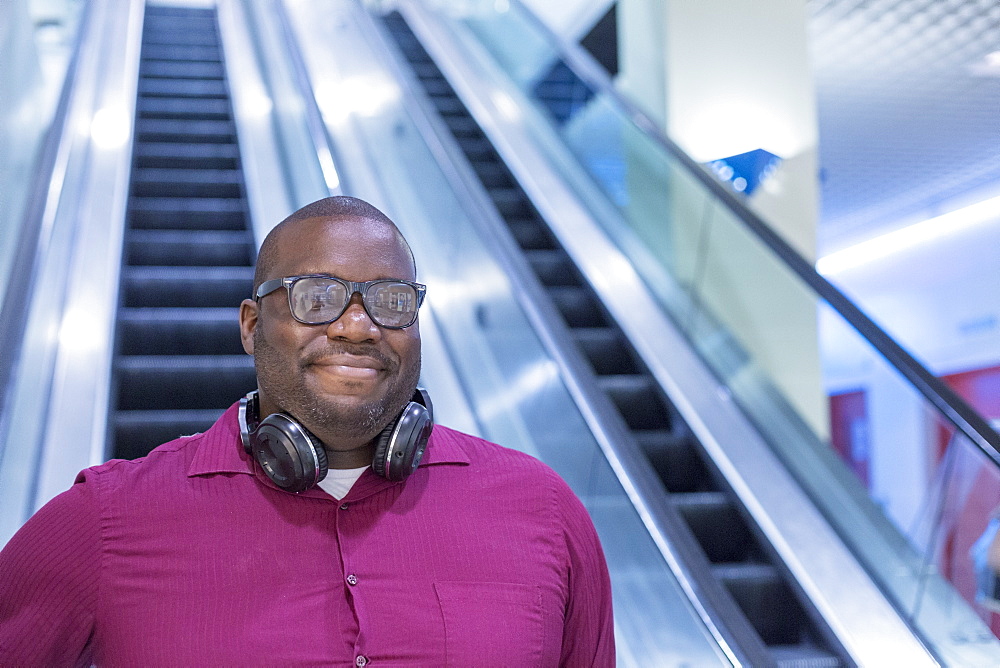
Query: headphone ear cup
{"x": 292, "y": 458}
{"x": 401, "y": 445}
{"x": 382, "y": 447}
{"x": 321, "y": 458}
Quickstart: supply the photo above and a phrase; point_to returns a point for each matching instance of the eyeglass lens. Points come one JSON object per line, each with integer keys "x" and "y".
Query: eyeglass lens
{"x": 317, "y": 300}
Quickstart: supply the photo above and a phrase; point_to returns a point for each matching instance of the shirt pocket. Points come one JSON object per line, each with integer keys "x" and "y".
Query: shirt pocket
{"x": 491, "y": 624}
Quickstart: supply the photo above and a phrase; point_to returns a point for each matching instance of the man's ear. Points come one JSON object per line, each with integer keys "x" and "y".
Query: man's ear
{"x": 249, "y": 312}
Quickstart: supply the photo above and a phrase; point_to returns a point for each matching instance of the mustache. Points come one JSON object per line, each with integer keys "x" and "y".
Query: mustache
{"x": 359, "y": 349}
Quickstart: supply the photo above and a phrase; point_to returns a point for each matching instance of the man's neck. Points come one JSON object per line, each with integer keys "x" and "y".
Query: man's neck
{"x": 351, "y": 458}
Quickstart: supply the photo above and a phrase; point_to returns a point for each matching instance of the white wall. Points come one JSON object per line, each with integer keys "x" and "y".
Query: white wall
{"x": 726, "y": 78}
{"x": 940, "y": 299}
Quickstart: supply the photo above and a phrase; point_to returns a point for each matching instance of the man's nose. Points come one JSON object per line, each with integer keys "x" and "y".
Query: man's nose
{"x": 354, "y": 323}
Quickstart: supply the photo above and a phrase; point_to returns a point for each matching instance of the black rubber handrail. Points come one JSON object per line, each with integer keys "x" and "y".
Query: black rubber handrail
{"x": 942, "y": 397}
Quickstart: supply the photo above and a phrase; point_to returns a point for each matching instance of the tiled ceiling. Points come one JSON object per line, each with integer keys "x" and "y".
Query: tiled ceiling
{"x": 909, "y": 108}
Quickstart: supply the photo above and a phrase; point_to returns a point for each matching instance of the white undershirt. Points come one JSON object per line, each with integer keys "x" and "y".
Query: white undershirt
{"x": 338, "y": 482}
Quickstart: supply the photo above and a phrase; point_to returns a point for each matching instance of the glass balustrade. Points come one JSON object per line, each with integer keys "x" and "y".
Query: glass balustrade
{"x": 909, "y": 494}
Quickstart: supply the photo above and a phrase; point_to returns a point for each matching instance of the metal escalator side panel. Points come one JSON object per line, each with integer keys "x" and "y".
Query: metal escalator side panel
{"x": 58, "y": 407}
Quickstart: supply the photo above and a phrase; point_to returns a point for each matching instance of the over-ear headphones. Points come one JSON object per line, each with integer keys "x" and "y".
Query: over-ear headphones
{"x": 295, "y": 460}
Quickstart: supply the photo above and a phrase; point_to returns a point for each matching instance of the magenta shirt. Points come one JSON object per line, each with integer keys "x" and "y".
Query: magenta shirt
{"x": 190, "y": 556}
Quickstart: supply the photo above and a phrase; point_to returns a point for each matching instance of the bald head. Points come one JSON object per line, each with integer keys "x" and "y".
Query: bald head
{"x": 332, "y": 209}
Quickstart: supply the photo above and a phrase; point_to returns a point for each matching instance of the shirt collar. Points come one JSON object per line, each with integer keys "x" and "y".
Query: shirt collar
{"x": 221, "y": 449}
{"x": 444, "y": 448}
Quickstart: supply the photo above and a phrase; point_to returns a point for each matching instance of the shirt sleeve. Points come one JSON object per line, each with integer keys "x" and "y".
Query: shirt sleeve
{"x": 48, "y": 583}
{"x": 588, "y": 631}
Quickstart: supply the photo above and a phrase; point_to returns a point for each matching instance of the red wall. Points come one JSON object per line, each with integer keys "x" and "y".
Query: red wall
{"x": 849, "y": 431}
{"x": 981, "y": 388}
{"x": 970, "y": 507}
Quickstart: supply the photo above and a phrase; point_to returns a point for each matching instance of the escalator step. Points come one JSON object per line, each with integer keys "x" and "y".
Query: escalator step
{"x": 181, "y": 69}
{"x": 438, "y": 86}
{"x": 606, "y": 350}
{"x": 766, "y": 601}
{"x": 412, "y": 47}
{"x": 803, "y": 655}
{"x": 511, "y": 202}
{"x": 463, "y": 126}
{"x": 188, "y": 248}
{"x": 553, "y": 267}
{"x": 139, "y": 431}
{"x": 186, "y": 156}
{"x": 408, "y": 42}
{"x": 426, "y": 69}
{"x": 637, "y": 399}
{"x": 164, "y": 381}
{"x": 182, "y": 88}
{"x": 717, "y": 526}
{"x": 530, "y": 234}
{"x": 186, "y": 127}
{"x": 493, "y": 174}
{"x": 182, "y": 35}
{"x": 673, "y": 454}
{"x": 448, "y": 104}
{"x": 164, "y": 10}
{"x": 213, "y": 183}
{"x": 186, "y": 286}
{"x": 183, "y": 213}
{"x": 179, "y": 331}
{"x": 201, "y": 18}
{"x": 478, "y": 148}
{"x": 197, "y": 108}
{"x": 578, "y": 307}
{"x": 185, "y": 131}
{"x": 419, "y": 56}
{"x": 177, "y": 52}
{"x": 165, "y": 24}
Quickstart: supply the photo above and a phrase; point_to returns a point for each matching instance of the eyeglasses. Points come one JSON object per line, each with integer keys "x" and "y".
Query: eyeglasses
{"x": 318, "y": 299}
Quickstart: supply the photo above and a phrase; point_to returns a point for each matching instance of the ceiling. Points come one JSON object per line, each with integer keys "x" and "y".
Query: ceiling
{"x": 909, "y": 110}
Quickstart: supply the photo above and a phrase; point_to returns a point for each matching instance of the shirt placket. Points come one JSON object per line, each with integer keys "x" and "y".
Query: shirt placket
{"x": 352, "y": 510}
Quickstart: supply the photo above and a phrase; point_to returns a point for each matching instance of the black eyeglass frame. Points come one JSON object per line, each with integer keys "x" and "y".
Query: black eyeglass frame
{"x": 267, "y": 287}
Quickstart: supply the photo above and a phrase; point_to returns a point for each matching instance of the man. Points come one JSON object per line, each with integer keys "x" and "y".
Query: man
{"x": 200, "y": 555}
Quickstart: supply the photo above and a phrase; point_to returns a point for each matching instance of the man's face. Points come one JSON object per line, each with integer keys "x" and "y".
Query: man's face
{"x": 346, "y": 380}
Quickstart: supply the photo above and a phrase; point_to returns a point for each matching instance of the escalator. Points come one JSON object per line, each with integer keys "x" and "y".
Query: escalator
{"x": 178, "y": 363}
{"x": 522, "y": 84}
{"x": 757, "y": 597}
{"x": 189, "y": 253}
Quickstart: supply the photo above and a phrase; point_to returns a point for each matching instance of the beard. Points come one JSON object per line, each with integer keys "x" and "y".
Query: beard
{"x": 284, "y": 383}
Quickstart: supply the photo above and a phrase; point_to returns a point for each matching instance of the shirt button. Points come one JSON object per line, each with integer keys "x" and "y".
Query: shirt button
{"x": 352, "y": 580}
{"x": 361, "y": 661}
{"x": 344, "y": 506}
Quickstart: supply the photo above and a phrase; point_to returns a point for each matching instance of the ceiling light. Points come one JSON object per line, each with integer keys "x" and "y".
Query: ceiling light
{"x": 987, "y": 66}
{"x": 910, "y": 237}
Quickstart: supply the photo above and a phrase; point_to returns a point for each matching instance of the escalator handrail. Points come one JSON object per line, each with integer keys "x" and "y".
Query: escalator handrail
{"x": 325, "y": 151}
{"x": 37, "y": 220}
{"x": 943, "y": 398}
